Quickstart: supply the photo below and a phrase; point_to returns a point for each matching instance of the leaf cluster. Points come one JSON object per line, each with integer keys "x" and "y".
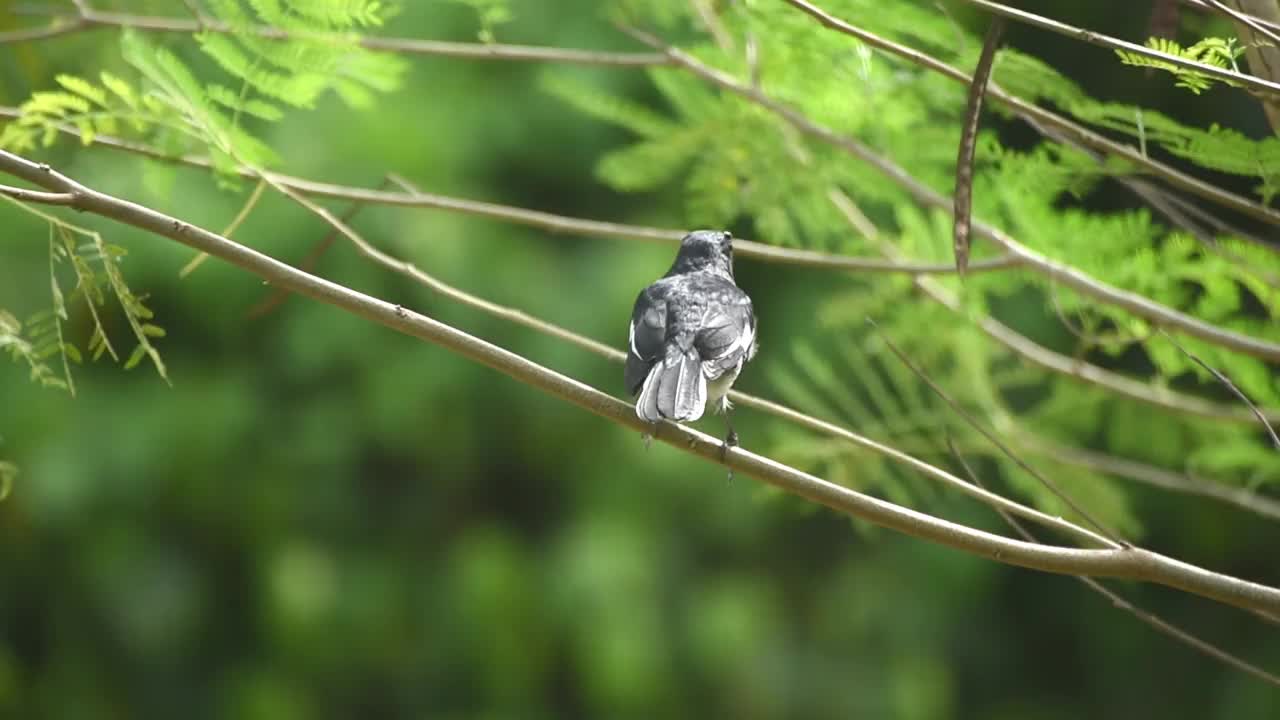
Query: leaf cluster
{"x": 736, "y": 164}
{"x": 272, "y": 54}
{"x": 1218, "y": 52}
{"x": 95, "y": 266}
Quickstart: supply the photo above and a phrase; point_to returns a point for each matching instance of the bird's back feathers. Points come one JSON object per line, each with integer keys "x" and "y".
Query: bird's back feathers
{"x": 675, "y": 388}
{"x": 688, "y": 331}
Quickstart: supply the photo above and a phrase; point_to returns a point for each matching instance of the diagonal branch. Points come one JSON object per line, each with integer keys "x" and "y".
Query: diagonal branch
{"x": 1160, "y": 624}
{"x": 1122, "y": 563}
{"x": 521, "y": 318}
{"x": 1238, "y": 497}
{"x": 995, "y": 440}
{"x": 1206, "y": 5}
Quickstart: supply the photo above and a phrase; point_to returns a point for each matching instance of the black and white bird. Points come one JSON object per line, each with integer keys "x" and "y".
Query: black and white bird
{"x": 691, "y": 333}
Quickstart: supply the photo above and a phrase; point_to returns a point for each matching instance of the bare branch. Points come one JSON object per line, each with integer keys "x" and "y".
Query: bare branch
{"x": 309, "y": 262}
{"x": 1127, "y": 562}
{"x": 1204, "y": 5}
{"x": 1238, "y": 497}
{"x": 57, "y": 28}
{"x": 36, "y": 196}
{"x": 230, "y": 229}
{"x": 1132, "y": 302}
{"x": 1248, "y": 20}
{"x": 711, "y": 21}
{"x": 1161, "y": 625}
{"x": 1226, "y": 382}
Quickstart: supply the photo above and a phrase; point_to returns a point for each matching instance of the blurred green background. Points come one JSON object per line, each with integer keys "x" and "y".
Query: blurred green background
{"x": 322, "y": 518}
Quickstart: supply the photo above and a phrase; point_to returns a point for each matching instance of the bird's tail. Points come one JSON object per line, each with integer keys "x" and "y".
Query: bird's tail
{"x": 675, "y": 389}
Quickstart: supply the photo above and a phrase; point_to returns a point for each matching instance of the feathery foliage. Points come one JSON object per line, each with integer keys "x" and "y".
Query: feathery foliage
{"x": 739, "y": 165}
{"x": 95, "y": 266}
{"x": 1218, "y": 52}
{"x": 312, "y": 48}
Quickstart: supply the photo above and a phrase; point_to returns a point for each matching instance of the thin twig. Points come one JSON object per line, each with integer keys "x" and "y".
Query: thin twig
{"x": 707, "y": 15}
{"x": 1160, "y": 624}
{"x": 37, "y": 196}
{"x": 963, "y": 208}
{"x": 228, "y": 231}
{"x": 995, "y": 440}
{"x": 1126, "y": 562}
{"x": 193, "y": 7}
{"x": 1238, "y": 497}
{"x": 278, "y": 296}
{"x": 1226, "y": 382}
{"x": 1249, "y": 20}
{"x": 1204, "y": 5}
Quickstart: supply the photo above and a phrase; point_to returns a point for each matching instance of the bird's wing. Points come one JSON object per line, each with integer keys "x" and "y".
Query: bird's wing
{"x": 645, "y": 338}
{"x": 727, "y": 337}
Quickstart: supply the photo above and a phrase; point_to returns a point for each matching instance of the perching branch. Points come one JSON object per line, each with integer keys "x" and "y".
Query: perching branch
{"x": 1247, "y": 20}
{"x": 1122, "y": 563}
{"x": 521, "y": 318}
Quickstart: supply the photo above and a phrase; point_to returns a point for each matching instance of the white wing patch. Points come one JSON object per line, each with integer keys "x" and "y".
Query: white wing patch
{"x": 746, "y": 342}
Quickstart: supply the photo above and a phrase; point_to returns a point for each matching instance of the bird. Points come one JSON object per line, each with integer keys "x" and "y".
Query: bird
{"x": 691, "y": 332}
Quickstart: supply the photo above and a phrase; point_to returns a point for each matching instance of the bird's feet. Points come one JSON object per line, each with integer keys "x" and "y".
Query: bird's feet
{"x": 730, "y": 440}
{"x": 648, "y": 437}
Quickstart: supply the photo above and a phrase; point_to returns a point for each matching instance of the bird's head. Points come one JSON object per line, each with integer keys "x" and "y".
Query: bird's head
{"x": 709, "y": 250}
